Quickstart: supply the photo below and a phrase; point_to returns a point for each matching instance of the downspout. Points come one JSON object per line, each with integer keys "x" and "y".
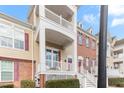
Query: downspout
{"x": 32, "y": 55}
{"x": 33, "y": 45}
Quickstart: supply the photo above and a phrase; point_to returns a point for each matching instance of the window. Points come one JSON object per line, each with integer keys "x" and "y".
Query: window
{"x": 80, "y": 38}
{"x": 7, "y": 70}
{"x": 52, "y": 58}
{"x": 18, "y": 39}
{"x": 6, "y": 36}
{"x": 87, "y": 42}
{"x": 93, "y": 44}
{"x": 11, "y": 37}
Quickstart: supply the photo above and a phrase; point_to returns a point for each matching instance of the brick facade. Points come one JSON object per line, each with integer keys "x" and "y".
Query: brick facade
{"x": 86, "y": 52}
{"x": 24, "y": 71}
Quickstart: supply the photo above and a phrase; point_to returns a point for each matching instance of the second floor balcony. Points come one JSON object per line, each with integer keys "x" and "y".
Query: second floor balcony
{"x": 58, "y": 19}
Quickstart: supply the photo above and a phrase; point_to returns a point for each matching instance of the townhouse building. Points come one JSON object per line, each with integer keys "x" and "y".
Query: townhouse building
{"x": 86, "y": 54}
{"x": 86, "y": 50}
{"x": 16, "y": 52}
{"x": 49, "y": 46}
{"x": 117, "y": 69}
{"x": 55, "y": 41}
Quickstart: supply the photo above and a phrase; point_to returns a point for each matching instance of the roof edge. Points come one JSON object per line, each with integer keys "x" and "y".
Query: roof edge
{"x": 14, "y": 20}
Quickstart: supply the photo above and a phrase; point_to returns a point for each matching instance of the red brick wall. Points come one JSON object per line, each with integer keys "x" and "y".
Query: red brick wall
{"x": 86, "y": 52}
{"x": 25, "y": 72}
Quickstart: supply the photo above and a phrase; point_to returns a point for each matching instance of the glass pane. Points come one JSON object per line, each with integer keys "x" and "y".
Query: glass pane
{"x": 18, "y": 34}
{"x": 6, "y": 76}
{"x": 5, "y": 41}
{"x": 55, "y": 56}
{"x": 48, "y": 54}
{"x": 6, "y": 70}
{"x": 5, "y": 30}
{"x": 48, "y": 58}
{"x": 6, "y": 66}
{"x": 19, "y": 44}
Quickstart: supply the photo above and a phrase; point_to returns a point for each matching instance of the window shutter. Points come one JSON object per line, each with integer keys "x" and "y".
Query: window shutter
{"x": 26, "y": 41}
{"x": 16, "y": 71}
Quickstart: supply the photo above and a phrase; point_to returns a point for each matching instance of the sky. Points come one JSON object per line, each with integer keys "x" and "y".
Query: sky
{"x": 16, "y": 11}
{"x": 87, "y": 15}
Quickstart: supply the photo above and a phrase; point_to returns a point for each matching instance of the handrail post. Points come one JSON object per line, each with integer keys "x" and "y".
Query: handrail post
{"x": 60, "y": 19}
{"x": 61, "y": 65}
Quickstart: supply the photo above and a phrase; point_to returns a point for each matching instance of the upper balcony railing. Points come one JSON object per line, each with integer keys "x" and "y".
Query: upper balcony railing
{"x": 58, "y": 19}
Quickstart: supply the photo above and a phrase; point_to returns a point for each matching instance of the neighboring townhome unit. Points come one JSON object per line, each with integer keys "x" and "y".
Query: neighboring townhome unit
{"x": 55, "y": 41}
{"x": 117, "y": 69}
{"x": 86, "y": 51}
{"x": 15, "y": 53}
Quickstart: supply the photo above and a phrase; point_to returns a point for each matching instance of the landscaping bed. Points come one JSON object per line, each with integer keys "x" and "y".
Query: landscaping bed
{"x": 116, "y": 82}
{"x": 64, "y": 83}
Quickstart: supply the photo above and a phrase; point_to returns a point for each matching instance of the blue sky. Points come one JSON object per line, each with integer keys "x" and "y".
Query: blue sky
{"x": 88, "y": 15}
{"x": 17, "y": 11}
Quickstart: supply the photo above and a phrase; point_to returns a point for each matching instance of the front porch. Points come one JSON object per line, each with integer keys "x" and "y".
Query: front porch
{"x": 57, "y": 53}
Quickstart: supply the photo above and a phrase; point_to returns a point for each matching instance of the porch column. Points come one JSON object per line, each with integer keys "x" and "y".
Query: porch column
{"x": 42, "y": 55}
{"x": 42, "y": 49}
{"x": 75, "y": 42}
{"x": 42, "y": 10}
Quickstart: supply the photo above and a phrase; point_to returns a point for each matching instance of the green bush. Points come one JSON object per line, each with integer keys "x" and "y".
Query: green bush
{"x": 64, "y": 83}
{"x": 7, "y": 86}
{"x": 27, "y": 84}
{"x": 120, "y": 84}
{"x": 116, "y": 82}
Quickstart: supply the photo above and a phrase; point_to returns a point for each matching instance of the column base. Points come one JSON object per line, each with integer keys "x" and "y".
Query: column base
{"x": 42, "y": 80}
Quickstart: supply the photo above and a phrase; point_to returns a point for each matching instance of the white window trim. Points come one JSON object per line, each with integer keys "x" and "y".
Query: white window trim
{"x": 12, "y": 72}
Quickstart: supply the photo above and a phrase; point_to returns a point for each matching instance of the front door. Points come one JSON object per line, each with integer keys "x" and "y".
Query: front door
{"x": 52, "y": 59}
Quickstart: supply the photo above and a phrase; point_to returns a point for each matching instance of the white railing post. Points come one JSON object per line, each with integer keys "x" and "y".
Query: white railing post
{"x": 60, "y": 19}
{"x": 84, "y": 82}
{"x": 61, "y": 65}
{"x": 107, "y": 81}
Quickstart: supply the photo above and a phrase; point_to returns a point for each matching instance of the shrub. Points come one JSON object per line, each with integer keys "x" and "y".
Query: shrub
{"x": 64, "y": 83}
{"x": 120, "y": 84}
{"x": 27, "y": 84}
{"x": 116, "y": 81}
{"x": 7, "y": 86}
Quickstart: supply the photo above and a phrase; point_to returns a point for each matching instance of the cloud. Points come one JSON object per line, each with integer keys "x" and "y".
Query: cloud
{"x": 89, "y": 18}
{"x": 116, "y": 10}
{"x": 117, "y": 21}
{"x": 117, "y": 14}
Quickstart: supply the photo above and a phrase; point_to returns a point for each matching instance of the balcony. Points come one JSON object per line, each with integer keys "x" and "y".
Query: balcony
{"x": 58, "y": 19}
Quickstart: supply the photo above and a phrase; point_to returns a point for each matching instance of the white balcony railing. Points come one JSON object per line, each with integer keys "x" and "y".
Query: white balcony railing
{"x": 58, "y": 19}
{"x": 58, "y": 66}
